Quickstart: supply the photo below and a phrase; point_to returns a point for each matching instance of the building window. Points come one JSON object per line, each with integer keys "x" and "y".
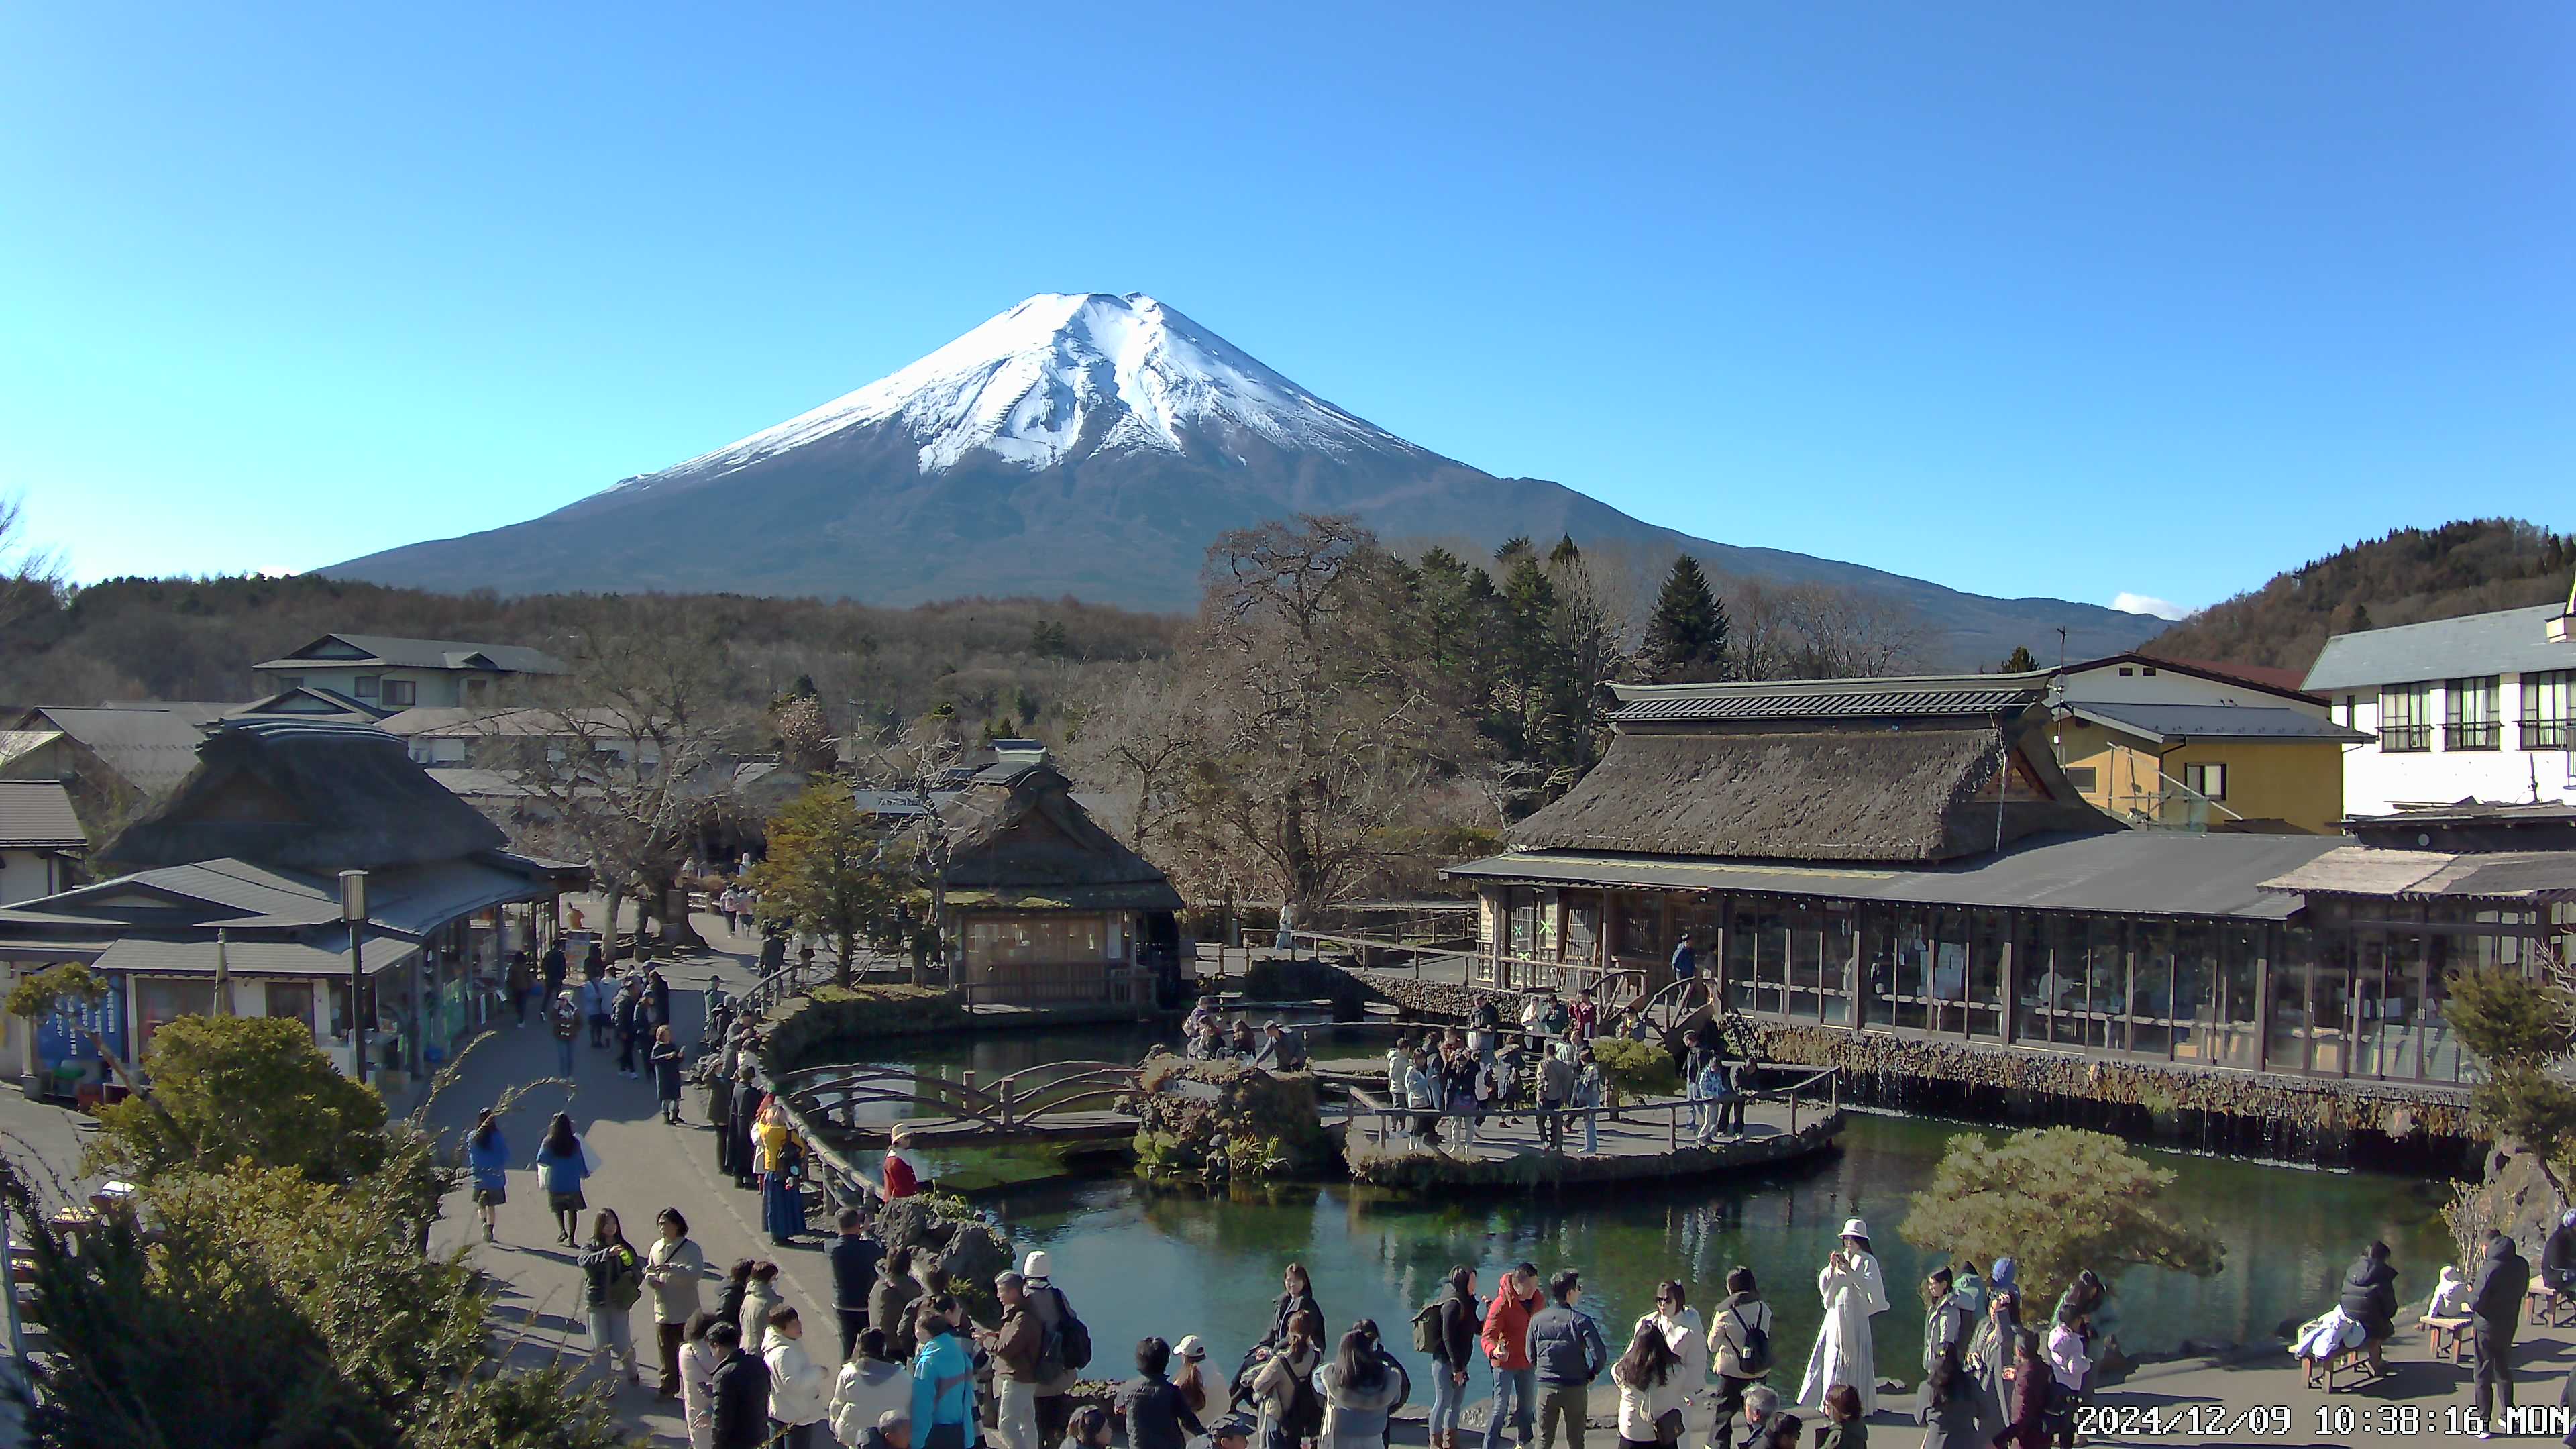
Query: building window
{"x": 2207, "y": 781}
{"x": 401, "y": 693}
{"x": 2405, "y": 718}
{"x": 2469, "y": 714}
{"x": 2544, "y": 709}
{"x": 2081, "y": 777}
{"x": 366, "y": 686}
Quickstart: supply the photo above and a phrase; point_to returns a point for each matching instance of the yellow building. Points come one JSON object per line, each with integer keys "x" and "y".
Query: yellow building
{"x": 2206, "y": 766}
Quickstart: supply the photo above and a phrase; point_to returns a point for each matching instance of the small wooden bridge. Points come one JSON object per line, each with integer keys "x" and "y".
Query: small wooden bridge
{"x": 1058, "y": 1102}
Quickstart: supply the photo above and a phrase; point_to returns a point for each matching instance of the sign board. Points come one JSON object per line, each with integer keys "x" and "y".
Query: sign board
{"x": 64, "y": 1036}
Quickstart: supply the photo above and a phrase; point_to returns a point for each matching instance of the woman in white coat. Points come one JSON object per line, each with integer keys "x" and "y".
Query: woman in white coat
{"x": 1853, "y": 1291}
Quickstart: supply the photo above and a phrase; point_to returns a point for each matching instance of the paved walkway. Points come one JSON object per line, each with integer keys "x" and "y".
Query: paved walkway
{"x": 646, "y": 1165}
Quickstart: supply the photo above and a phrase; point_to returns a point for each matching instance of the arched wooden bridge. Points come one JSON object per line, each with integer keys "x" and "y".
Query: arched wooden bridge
{"x": 1058, "y": 1102}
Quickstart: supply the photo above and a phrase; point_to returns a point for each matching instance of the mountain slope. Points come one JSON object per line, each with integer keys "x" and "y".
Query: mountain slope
{"x": 1091, "y": 445}
{"x": 2408, "y": 576}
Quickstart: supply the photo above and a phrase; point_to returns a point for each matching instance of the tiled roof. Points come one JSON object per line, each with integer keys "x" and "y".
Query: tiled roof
{"x": 420, "y": 654}
{"x": 2508, "y": 641}
{"x": 2214, "y": 721}
{"x": 37, "y": 815}
{"x": 1809, "y": 704}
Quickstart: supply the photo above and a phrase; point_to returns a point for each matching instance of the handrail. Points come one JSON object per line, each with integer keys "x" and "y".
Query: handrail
{"x": 1794, "y": 1094}
{"x": 1013, "y": 1101}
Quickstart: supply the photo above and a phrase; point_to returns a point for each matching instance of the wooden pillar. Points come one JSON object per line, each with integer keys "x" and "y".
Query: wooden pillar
{"x": 2007, "y": 974}
{"x": 2268, "y": 955}
{"x": 1715, "y": 970}
{"x": 1855, "y": 970}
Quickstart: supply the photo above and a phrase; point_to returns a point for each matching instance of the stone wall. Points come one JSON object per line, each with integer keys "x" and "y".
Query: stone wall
{"x": 797, "y": 1035}
{"x": 1227, "y": 1121}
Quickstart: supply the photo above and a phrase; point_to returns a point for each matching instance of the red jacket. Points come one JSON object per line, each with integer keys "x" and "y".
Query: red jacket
{"x": 1506, "y": 1335}
{"x": 899, "y": 1179}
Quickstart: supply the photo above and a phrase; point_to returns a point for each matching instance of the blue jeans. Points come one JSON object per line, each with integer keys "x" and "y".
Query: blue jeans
{"x": 1515, "y": 1402}
{"x": 1591, "y": 1134}
{"x": 563, "y": 1055}
{"x": 1448, "y": 1397}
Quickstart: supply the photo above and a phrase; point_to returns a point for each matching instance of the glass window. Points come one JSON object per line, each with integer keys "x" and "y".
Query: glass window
{"x": 2286, "y": 1049}
{"x": 2377, "y": 1015}
{"x": 1805, "y": 947}
{"x": 1986, "y": 974}
{"x": 401, "y": 693}
{"x": 159, "y": 1002}
{"x": 1026, "y": 940}
{"x": 2469, "y": 714}
{"x": 2196, "y": 982}
{"x": 2208, "y": 781}
{"x": 2106, "y": 953}
{"x": 2330, "y": 1008}
{"x": 2082, "y": 777}
{"x": 291, "y": 1001}
{"x": 2544, "y": 709}
{"x": 1834, "y": 950}
{"x": 2405, "y": 718}
{"x": 2150, "y": 1003}
{"x": 1947, "y": 985}
{"x": 1900, "y": 967}
{"x": 1638, "y": 926}
{"x": 1582, "y": 930}
{"x": 365, "y": 688}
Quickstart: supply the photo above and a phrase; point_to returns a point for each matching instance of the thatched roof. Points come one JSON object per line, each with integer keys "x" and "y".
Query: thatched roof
{"x": 305, "y": 796}
{"x": 1018, "y": 838}
{"x": 1846, "y": 794}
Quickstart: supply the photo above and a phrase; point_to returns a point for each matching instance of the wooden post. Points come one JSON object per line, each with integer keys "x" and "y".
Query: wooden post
{"x": 1855, "y": 970}
{"x": 2268, "y": 956}
{"x": 2009, "y": 977}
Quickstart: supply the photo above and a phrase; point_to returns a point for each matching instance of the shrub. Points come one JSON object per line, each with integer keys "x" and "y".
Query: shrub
{"x": 1636, "y": 1068}
{"x": 2057, "y": 1200}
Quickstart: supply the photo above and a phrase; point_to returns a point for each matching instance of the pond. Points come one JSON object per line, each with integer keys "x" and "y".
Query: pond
{"x": 1139, "y": 1260}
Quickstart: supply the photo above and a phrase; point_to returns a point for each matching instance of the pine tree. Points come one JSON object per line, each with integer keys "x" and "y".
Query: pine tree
{"x": 2019, "y": 661}
{"x": 1686, "y": 635}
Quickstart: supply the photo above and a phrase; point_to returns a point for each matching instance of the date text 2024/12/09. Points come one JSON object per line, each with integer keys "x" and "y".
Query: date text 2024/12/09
{"x": 2343, "y": 1423}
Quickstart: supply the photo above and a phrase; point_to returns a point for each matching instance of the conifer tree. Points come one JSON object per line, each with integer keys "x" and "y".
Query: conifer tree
{"x": 2019, "y": 661}
{"x": 1686, "y": 634}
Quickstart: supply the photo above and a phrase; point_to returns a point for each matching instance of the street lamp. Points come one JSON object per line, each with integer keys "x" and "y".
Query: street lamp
{"x": 353, "y": 914}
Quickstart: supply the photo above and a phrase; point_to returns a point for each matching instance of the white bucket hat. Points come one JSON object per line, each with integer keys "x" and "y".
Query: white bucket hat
{"x": 1855, "y": 1228}
{"x": 1036, "y": 1264}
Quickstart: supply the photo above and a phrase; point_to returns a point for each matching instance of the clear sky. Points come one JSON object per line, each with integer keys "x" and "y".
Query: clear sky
{"x": 2028, "y": 299}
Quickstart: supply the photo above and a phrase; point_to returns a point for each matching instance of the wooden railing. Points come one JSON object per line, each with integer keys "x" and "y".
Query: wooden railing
{"x": 832, "y": 1096}
{"x": 1367, "y": 1107}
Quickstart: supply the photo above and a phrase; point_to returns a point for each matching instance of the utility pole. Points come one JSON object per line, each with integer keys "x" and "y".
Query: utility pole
{"x": 353, "y": 914}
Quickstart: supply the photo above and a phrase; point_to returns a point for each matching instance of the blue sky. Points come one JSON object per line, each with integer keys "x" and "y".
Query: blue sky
{"x": 2039, "y": 299}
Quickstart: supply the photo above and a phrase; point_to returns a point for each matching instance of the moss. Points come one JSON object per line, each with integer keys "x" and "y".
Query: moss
{"x": 1227, "y": 1121}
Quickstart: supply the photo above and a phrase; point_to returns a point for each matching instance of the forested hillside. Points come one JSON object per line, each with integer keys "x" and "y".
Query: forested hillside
{"x": 2406, "y": 577}
{"x": 1007, "y": 661}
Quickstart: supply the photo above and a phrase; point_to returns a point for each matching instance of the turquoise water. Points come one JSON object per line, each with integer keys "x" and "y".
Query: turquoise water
{"x": 1141, "y": 1260}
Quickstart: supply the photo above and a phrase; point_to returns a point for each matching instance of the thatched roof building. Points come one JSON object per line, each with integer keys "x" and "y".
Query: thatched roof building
{"x": 1018, "y": 839}
{"x": 1910, "y": 770}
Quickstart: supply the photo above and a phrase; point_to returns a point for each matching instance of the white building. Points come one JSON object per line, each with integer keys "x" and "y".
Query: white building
{"x": 2475, "y": 708}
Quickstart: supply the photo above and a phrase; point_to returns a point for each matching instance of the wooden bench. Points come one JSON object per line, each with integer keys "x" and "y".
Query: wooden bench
{"x": 2450, "y": 1336}
{"x": 2543, "y": 1305}
{"x": 2355, "y": 1361}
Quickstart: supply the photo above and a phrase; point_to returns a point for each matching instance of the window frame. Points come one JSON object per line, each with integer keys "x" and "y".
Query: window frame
{"x": 2539, "y": 728}
{"x": 2195, "y": 778}
{"x": 365, "y": 686}
{"x": 2462, "y": 731}
{"x": 400, "y": 693}
{"x": 2406, "y": 731}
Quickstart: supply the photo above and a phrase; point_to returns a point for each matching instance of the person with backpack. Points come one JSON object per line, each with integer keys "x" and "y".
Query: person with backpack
{"x": 1566, "y": 1354}
{"x": 612, "y": 1284}
{"x": 563, "y": 1162}
{"x": 1064, "y": 1345}
{"x": 1506, "y": 1344}
{"x": 943, "y": 1383}
{"x": 1283, "y": 1389}
{"x": 1739, "y": 1342}
{"x": 1445, "y": 1330}
{"x": 1360, "y": 1393}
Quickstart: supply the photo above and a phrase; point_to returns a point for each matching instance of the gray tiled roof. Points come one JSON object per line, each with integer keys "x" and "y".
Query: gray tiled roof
{"x": 152, "y": 746}
{"x": 37, "y": 815}
{"x": 2215, "y": 722}
{"x": 422, "y": 654}
{"x": 2508, "y": 641}
{"x": 2128, "y": 872}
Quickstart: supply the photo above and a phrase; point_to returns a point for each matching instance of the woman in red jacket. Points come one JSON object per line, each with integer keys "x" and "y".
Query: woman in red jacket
{"x": 2028, "y": 1427}
{"x": 900, "y": 1179}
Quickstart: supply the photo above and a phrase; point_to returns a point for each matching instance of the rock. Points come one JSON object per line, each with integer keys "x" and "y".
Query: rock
{"x": 957, "y": 1251}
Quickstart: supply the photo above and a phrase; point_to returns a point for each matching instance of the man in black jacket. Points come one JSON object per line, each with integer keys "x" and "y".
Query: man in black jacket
{"x": 741, "y": 1391}
{"x": 2558, "y": 1256}
{"x": 2495, "y": 1307}
{"x": 855, "y": 1257}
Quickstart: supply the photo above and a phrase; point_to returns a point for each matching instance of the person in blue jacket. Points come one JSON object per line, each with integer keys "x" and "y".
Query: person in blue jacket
{"x": 563, "y": 1160}
{"x": 487, "y": 1152}
{"x": 943, "y": 1383}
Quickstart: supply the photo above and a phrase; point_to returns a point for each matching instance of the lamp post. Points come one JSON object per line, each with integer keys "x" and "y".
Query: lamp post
{"x": 353, "y": 914}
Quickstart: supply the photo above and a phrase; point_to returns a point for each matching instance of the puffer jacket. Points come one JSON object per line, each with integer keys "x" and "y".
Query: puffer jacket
{"x": 1565, "y": 1346}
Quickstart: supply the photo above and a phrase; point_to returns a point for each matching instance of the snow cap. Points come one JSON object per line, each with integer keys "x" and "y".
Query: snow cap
{"x": 1036, "y": 1264}
{"x": 1855, "y": 1228}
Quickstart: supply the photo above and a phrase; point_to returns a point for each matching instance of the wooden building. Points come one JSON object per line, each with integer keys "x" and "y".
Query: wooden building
{"x": 1905, "y": 856}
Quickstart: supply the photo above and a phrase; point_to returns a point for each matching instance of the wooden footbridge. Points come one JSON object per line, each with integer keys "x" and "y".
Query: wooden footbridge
{"x": 1056, "y": 1103}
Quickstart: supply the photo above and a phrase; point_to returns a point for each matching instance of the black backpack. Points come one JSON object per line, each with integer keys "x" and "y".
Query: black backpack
{"x": 1426, "y": 1329}
{"x": 1754, "y": 1356}
{"x": 1069, "y": 1342}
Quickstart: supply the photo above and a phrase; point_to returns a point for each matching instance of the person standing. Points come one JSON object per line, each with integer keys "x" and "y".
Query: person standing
{"x": 782, "y": 1192}
{"x": 672, "y": 1268}
{"x": 720, "y": 1104}
{"x": 487, "y": 1155}
{"x": 657, "y": 998}
{"x": 1651, "y": 1386}
{"x": 1946, "y": 1320}
{"x": 740, "y": 1389}
{"x": 2027, "y": 1428}
{"x": 890, "y": 1303}
{"x": 1590, "y": 1093}
{"x": 898, "y": 1177}
{"x": 1683, "y": 1333}
{"x": 1555, "y": 1089}
{"x": 1853, "y": 1291}
{"x": 2070, "y": 1362}
{"x": 1360, "y": 1392}
{"x": 565, "y": 1016}
{"x": 855, "y": 1256}
{"x": 1950, "y": 1406}
{"x": 626, "y": 1016}
{"x": 747, "y": 1097}
{"x": 1016, "y": 1346}
{"x": 943, "y": 1385}
{"x": 1283, "y": 1388}
{"x": 1156, "y": 1418}
{"x": 697, "y": 1381}
{"x": 870, "y": 1387}
{"x": 523, "y": 980}
{"x": 593, "y": 964}
{"x": 1506, "y": 1345}
{"x": 613, "y": 1281}
{"x": 796, "y": 1382}
{"x": 1989, "y": 1356}
{"x": 1739, "y": 1342}
{"x": 2495, "y": 1311}
{"x": 758, "y": 1297}
{"x": 665, "y": 1062}
{"x": 595, "y": 1005}
{"x": 1455, "y": 1318}
{"x": 1055, "y": 1376}
{"x": 563, "y": 1162}
{"x": 1566, "y": 1354}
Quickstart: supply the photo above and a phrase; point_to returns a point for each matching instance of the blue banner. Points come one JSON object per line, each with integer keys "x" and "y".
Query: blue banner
{"x": 64, "y": 1036}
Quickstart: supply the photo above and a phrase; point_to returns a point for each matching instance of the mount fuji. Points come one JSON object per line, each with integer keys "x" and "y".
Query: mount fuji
{"x": 1093, "y": 445}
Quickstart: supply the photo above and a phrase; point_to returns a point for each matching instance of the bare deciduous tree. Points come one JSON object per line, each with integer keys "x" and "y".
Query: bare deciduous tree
{"x": 31, "y": 578}
{"x": 1136, "y": 739}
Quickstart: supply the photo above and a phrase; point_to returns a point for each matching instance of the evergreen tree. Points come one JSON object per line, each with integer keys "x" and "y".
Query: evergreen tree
{"x": 2019, "y": 661}
{"x": 1686, "y": 634}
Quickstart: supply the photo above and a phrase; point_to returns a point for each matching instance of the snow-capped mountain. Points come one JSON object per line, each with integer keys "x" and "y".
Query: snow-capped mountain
{"x": 1091, "y": 445}
{"x": 1062, "y": 375}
